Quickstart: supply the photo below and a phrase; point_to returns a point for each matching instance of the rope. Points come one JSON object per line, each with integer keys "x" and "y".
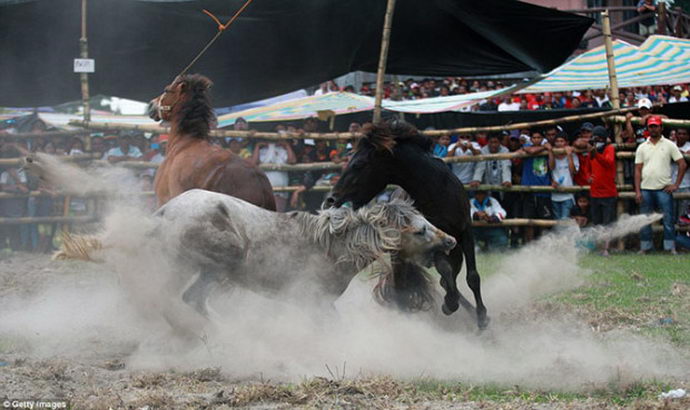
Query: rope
{"x": 221, "y": 29}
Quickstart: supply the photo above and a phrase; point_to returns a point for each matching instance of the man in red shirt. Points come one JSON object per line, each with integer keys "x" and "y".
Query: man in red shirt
{"x": 584, "y": 174}
{"x": 603, "y": 187}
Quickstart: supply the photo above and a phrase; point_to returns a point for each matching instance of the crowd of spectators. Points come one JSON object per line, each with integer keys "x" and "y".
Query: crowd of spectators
{"x": 585, "y": 158}
{"x": 411, "y": 89}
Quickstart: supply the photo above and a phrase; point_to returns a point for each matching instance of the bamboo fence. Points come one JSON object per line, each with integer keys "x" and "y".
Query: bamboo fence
{"x": 625, "y": 191}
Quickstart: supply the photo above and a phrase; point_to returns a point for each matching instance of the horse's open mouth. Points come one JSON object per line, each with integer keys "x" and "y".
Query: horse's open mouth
{"x": 153, "y": 112}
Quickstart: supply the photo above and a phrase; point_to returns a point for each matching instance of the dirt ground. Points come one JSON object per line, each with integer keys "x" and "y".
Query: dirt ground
{"x": 98, "y": 375}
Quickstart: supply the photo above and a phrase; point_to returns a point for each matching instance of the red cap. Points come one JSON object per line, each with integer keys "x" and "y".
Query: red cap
{"x": 163, "y": 138}
{"x": 654, "y": 120}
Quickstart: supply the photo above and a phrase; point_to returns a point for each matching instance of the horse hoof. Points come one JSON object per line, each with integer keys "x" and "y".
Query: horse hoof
{"x": 447, "y": 310}
{"x": 483, "y": 323}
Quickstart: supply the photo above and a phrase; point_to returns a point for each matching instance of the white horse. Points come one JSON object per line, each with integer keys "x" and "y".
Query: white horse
{"x": 236, "y": 243}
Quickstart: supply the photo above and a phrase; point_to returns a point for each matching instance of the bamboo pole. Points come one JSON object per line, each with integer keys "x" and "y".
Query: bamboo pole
{"x": 383, "y": 57}
{"x": 46, "y": 134}
{"x": 610, "y": 62}
{"x": 346, "y": 135}
{"x": 546, "y": 223}
{"x": 615, "y": 101}
{"x": 525, "y": 125}
{"x": 9, "y": 162}
{"x": 84, "y": 53}
{"x": 666, "y": 122}
{"x": 625, "y": 191}
{"x": 47, "y": 219}
{"x": 309, "y": 166}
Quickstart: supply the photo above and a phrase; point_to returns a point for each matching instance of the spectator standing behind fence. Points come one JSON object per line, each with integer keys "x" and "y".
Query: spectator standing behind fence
{"x": 683, "y": 238}
{"x": 563, "y": 168}
{"x": 462, "y": 148}
{"x": 125, "y": 151}
{"x": 603, "y": 188}
{"x": 495, "y": 171}
{"x": 683, "y": 143}
{"x": 653, "y": 185}
{"x": 279, "y": 153}
{"x": 677, "y": 95}
{"x": 647, "y": 25}
{"x": 535, "y": 172}
{"x": 583, "y": 176}
{"x": 441, "y": 146}
{"x": 13, "y": 180}
{"x": 485, "y": 208}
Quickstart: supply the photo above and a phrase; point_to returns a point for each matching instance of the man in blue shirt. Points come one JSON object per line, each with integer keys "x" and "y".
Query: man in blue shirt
{"x": 535, "y": 172}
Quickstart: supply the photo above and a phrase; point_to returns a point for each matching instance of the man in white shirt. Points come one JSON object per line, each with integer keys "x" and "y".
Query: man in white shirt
{"x": 653, "y": 184}
{"x": 676, "y": 95}
{"x": 508, "y": 104}
{"x": 485, "y": 208}
{"x": 563, "y": 169}
{"x": 275, "y": 153}
{"x": 464, "y": 147}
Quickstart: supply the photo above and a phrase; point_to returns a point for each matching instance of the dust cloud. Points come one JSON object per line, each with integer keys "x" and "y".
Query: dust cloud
{"x": 121, "y": 309}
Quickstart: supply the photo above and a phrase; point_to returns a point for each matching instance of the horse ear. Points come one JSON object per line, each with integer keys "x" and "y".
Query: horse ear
{"x": 207, "y": 83}
{"x": 401, "y": 195}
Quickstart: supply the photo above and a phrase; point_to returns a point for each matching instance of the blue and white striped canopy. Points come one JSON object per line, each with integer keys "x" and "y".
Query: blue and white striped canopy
{"x": 660, "y": 60}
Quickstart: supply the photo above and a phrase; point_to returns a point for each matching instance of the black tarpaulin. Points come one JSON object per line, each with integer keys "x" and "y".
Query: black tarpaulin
{"x": 276, "y": 46}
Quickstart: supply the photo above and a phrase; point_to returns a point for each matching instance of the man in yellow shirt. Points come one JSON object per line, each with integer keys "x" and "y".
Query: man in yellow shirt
{"x": 653, "y": 185}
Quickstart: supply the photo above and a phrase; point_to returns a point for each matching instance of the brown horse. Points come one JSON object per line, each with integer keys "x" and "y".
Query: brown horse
{"x": 191, "y": 160}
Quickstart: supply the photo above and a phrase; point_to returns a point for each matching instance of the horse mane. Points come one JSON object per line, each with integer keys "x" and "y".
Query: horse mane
{"x": 364, "y": 236}
{"x": 367, "y": 234}
{"x": 196, "y": 116}
{"x": 385, "y": 136}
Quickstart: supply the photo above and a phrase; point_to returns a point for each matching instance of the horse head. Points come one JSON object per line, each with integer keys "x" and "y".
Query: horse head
{"x": 185, "y": 103}
{"x": 419, "y": 238}
{"x": 367, "y": 172}
{"x": 373, "y": 164}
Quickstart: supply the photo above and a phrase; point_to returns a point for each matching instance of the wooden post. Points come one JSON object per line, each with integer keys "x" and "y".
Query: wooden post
{"x": 84, "y": 53}
{"x": 610, "y": 61}
{"x": 381, "y": 71}
{"x": 615, "y": 103}
{"x": 663, "y": 18}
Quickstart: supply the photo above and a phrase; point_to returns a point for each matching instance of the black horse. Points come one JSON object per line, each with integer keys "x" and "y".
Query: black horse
{"x": 396, "y": 153}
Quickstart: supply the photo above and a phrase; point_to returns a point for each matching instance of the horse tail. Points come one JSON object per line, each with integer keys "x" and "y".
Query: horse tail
{"x": 79, "y": 247}
{"x": 407, "y": 285}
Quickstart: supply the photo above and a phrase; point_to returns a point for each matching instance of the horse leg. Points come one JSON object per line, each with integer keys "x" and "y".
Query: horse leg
{"x": 197, "y": 293}
{"x": 473, "y": 280}
{"x": 449, "y": 272}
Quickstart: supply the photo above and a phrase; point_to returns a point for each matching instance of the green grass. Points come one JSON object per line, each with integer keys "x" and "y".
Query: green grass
{"x": 622, "y": 291}
{"x": 618, "y": 395}
{"x": 651, "y": 292}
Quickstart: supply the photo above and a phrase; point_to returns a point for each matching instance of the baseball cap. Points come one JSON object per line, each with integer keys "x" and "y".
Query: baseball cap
{"x": 309, "y": 141}
{"x": 162, "y": 138}
{"x": 677, "y": 88}
{"x": 600, "y": 131}
{"x": 644, "y": 103}
{"x": 654, "y": 120}
{"x": 587, "y": 126}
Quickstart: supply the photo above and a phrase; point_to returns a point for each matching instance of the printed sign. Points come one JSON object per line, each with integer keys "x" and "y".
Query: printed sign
{"x": 84, "y": 65}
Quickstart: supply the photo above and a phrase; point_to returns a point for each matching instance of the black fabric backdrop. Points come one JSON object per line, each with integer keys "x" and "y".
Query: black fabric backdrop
{"x": 276, "y": 46}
